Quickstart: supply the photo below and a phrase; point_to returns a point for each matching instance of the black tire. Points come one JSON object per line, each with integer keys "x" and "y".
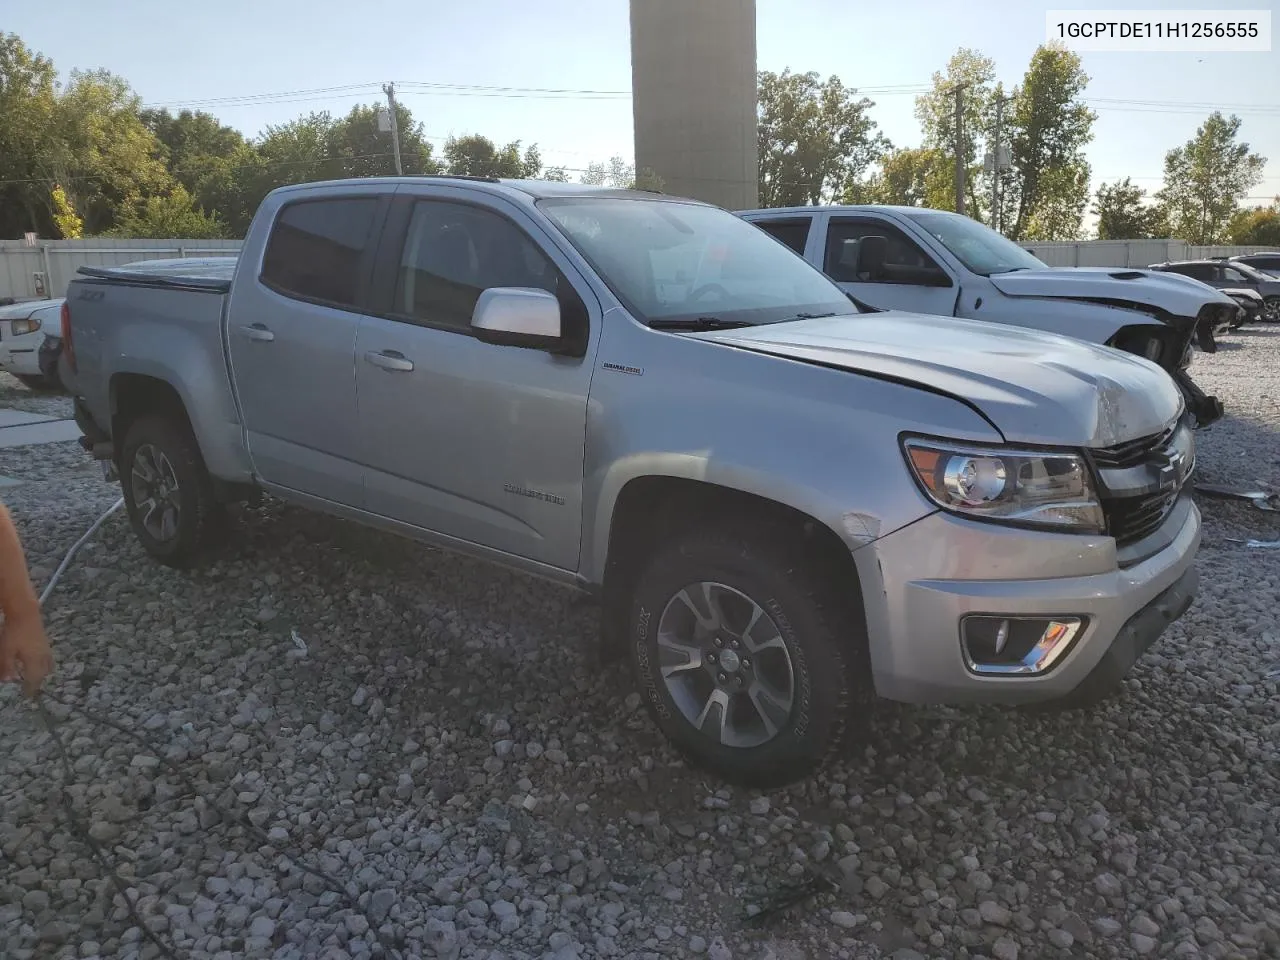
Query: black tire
{"x": 1271, "y": 309}
{"x": 824, "y": 643}
{"x": 196, "y": 507}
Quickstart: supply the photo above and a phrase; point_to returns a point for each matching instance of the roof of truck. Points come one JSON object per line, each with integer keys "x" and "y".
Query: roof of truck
{"x": 846, "y": 207}
{"x": 520, "y": 189}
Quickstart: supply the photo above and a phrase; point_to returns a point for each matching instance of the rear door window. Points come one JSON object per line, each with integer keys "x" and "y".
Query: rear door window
{"x": 319, "y": 250}
{"x": 1197, "y": 271}
{"x": 794, "y": 233}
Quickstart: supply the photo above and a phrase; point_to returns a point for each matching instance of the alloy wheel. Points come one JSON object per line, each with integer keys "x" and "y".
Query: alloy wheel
{"x": 156, "y": 493}
{"x": 725, "y": 664}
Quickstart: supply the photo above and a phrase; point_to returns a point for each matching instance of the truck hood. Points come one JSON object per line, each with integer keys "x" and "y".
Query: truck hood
{"x": 1153, "y": 288}
{"x": 1034, "y": 387}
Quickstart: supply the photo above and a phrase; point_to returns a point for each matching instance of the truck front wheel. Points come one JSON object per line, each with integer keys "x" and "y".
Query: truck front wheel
{"x": 167, "y": 490}
{"x": 744, "y": 656}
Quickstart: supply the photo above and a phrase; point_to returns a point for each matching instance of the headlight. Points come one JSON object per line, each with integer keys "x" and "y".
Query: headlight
{"x": 30, "y": 325}
{"x": 1021, "y": 487}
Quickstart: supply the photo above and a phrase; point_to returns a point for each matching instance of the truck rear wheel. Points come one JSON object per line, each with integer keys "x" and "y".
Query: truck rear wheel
{"x": 743, "y": 656}
{"x": 167, "y": 490}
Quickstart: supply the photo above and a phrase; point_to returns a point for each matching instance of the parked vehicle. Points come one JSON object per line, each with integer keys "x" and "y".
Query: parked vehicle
{"x": 932, "y": 261}
{"x": 1250, "y": 304}
{"x": 23, "y": 326}
{"x": 1224, "y": 274}
{"x": 1268, "y": 261}
{"x": 784, "y": 504}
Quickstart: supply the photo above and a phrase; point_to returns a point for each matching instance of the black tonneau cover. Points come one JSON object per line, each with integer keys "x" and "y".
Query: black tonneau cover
{"x": 199, "y": 273}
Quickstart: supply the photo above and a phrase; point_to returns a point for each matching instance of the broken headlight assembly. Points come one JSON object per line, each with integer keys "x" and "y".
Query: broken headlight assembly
{"x": 1028, "y": 488}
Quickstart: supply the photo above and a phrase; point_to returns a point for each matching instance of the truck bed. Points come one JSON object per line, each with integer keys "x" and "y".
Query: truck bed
{"x": 156, "y": 322}
{"x": 204, "y": 273}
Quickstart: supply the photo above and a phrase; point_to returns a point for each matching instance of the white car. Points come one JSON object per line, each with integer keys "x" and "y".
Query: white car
{"x": 22, "y": 330}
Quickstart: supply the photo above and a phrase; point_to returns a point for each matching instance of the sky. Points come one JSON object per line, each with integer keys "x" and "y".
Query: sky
{"x": 203, "y": 55}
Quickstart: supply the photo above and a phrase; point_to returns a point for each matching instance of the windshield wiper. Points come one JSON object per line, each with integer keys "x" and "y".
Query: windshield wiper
{"x": 804, "y": 316}
{"x": 695, "y": 323}
{"x": 1010, "y": 270}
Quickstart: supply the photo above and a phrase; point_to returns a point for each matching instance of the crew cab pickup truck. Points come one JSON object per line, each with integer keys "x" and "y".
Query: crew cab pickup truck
{"x": 785, "y": 504}
{"x": 934, "y": 261}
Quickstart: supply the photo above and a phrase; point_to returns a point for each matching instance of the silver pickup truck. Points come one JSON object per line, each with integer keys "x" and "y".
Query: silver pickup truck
{"x": 786, "y": 504}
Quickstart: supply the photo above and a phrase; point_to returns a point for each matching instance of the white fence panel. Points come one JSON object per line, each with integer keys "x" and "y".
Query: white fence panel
{"x": 1127, "y": 253}
{"x": 44, "y": 270}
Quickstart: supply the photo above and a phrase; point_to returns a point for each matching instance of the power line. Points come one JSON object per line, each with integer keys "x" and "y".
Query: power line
{"x": 259, "y": 96}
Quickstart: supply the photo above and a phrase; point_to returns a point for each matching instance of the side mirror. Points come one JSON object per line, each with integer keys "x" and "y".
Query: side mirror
{"x": 871, "y": 253}
{"x": 517, "y": 317}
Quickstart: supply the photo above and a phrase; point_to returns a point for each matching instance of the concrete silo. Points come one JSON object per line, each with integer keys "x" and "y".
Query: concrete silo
{"x": 693, "y": 80}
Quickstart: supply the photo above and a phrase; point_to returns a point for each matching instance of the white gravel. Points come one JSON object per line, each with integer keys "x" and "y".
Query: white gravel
{"x": 436, "y": 741}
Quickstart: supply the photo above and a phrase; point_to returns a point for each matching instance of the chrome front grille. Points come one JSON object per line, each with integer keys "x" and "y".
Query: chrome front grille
{"x": 1141, "y": 481}
{"x": 1131, "y": 453}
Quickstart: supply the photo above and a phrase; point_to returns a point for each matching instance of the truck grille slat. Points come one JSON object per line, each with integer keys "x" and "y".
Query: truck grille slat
{"x": 1133, "y": 518}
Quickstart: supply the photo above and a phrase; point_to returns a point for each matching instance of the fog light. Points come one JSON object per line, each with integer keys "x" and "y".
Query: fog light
{"x": 1016, "y": 646}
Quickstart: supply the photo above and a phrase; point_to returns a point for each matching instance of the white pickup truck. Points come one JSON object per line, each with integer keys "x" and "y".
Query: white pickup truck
{"x": 933, "y": 261}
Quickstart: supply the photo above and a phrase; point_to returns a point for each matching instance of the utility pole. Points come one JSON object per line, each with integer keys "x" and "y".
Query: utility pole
{"x": 996, "y": 169}
{"x": 390, "y": 90}
{"x": 959, "y": 145}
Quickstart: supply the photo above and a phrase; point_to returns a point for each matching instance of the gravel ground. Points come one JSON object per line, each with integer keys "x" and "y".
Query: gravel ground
{"x": 17, "y": 397}
{"x": 332, "y": 743}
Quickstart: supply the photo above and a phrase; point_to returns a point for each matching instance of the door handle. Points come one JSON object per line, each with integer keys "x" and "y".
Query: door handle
{"x": 257, "y": 331}
{"x": 389, "y": 360}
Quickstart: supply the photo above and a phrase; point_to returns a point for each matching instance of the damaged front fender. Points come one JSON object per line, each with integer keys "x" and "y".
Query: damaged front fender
{"x": 1176, "y": 355}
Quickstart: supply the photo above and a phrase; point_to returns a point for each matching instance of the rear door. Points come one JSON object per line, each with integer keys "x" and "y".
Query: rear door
{"x": 909, "y": 279}
{"x": 292, "y": 333}
{"x": 793, "y": 231}
{"x": 478, "y": 442}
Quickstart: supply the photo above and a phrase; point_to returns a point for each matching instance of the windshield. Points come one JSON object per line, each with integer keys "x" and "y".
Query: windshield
{"x": 671, "y": 261}
{"x": 1249, "y": 270}
{"x": 975, "y": 245}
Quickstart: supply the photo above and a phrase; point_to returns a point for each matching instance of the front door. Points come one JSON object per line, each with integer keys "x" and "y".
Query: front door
{"x": 908, "y": 279}
{"x": 479, "y": 442}
{"x": 292, "y": 334}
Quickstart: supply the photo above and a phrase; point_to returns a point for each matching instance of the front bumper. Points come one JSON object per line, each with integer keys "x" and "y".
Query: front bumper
{"x": 919, "y": 582}
{"x": 21, "y": 355}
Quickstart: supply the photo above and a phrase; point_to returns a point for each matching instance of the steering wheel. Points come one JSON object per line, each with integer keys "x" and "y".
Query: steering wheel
{"x": 715, "y": 288}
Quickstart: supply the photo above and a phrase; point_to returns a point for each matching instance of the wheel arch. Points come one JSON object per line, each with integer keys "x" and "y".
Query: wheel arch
{"x": 650, "y": 509}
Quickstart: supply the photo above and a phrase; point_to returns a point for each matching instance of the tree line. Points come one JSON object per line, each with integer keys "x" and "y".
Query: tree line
{"x": 817, "y": 143}
{"x": 87, "y": 158}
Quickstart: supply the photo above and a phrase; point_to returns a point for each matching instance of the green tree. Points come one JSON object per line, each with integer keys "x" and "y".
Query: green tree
{"x": 214, "y": 162}
{"x": 1122, "y": 213}
{"x": 102, "y": 154}
{"x": 1205, "y": 179}
{"x": 1257, "y": 226}
{"x": 366, "y": 151}
{"x": 1064, "y": 194}
{"x": 905, "y": 178}
{"x": 1049, "y": 127}
{"x": 65, "y": 219}
{"x": 620, "y": 175}
{"x": 478, "y": 156}
{"x": 169, "y": 215}
{"x": 815, "y": 139}
{"x": 27, "y": 104}
{"x": 974, "y": 73}
{"x": 556, "y": 174}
